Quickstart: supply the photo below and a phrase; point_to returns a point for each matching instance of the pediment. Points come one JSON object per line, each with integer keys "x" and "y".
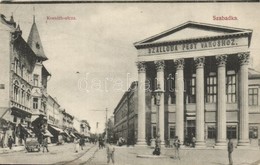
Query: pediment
{"x": 192, "y": 30}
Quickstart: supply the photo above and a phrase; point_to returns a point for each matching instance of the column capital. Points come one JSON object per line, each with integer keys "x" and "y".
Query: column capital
{"x": 199, "y": 62}
{"x": 160, "y": 65}
{"x": 179, "y": 63}
{"x": 243, "y": 58}
{"x": 141, "y": 66}
{"x": 221, "y": 60}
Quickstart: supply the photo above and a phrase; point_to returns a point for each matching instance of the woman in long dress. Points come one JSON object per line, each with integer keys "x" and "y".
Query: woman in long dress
{"x": 76, "y": 144}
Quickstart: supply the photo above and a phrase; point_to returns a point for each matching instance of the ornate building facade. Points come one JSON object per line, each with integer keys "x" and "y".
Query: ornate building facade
{"x": 209, "y": 90}
{"x": 23, "y": 81}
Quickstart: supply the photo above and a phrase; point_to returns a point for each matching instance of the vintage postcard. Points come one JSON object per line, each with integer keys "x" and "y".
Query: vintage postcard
{"x": 129, "y": 83}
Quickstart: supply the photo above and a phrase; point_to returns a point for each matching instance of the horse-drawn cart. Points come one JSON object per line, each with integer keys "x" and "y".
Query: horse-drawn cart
{"x": 32, "y": 144}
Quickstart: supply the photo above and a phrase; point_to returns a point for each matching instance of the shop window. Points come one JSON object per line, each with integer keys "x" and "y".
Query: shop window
{"x": 231, "y": 87}
{"x": 172, "y": 132}
{"x": 231, "y": 132}
{"x": 253, "y": 96}
{"x": 211, "y": 92}
{"x": 253, "y": 132}
{"x": 211, "y": 132}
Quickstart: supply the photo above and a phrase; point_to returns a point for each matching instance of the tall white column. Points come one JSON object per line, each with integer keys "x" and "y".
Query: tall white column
{"x": 141, "y": 104}
{"x": 160, "y": 65}
{"x": 243, "y": 100}
{"x": 221, "y": 102}
{"x": 199, "y": 63}
{"x": 179, "y": 92}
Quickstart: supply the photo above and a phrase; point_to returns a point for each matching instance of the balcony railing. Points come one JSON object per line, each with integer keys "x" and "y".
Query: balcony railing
{"x": 20, "y": 106}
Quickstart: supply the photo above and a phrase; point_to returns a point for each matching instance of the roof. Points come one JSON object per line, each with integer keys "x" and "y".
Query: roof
{"x": 134, "y": 83}
{"x": 21, "y": 46}
{"x": 45, "y": 71}
{"x": 34, "y": 41}
{"x": 253, "y": 74}
{"x": 198, "y": 31}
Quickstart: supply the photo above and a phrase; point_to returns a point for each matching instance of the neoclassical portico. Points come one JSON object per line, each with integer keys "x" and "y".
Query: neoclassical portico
{"x": 202, "y": 66}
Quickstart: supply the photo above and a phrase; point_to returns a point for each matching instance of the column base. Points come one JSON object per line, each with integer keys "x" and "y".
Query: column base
{"x": 141, "y": 143}
{"x": 221, "y": 145}
{"x": 200, "y": 144}
{"x": 243, "y": 144}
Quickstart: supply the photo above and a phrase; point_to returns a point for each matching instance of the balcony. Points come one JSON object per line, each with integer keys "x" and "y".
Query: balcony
{"x": 14, "y": 104}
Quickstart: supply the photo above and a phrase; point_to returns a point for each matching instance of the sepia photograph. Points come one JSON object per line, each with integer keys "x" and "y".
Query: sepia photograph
{"x": 130, "y": 83}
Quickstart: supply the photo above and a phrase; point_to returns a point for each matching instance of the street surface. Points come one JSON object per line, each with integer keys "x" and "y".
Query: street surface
{"x": 91, "y": 155}
{"x": 62, "y": 154}
{"x": 128, "y": 156}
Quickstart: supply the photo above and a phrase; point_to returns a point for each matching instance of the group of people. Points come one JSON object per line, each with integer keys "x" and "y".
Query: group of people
{"x": 79, "y": 143}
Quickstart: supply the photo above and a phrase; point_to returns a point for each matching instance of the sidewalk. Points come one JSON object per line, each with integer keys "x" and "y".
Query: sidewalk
{"x": 20, "y": 148}
{"x": 14, "y": 149}
{"x": 129, "y": 156}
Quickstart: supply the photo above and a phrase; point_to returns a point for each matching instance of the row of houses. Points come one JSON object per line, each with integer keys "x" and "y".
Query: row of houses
{"x": 26, "y": 107}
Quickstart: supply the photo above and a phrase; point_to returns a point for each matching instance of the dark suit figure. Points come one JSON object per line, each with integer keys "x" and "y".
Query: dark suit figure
{"x": 230, "y": 150}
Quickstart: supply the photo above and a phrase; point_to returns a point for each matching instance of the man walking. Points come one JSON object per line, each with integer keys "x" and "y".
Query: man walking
{"x": 10, "y": 142}
{"x": 110, "y": 153}
{"x": 45, "y": 144}
{"x": 177, "y": 145}
{"x": 230, "y": 150}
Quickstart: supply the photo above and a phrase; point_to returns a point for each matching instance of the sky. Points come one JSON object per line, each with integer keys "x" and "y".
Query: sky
{"x": 92, "y": 57}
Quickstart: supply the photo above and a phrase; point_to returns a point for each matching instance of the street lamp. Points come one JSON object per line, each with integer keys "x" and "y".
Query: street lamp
{"x": 158, "y": 92}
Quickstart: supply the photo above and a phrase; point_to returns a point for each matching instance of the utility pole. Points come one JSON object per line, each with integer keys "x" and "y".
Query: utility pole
{"x": 106, "y": 121}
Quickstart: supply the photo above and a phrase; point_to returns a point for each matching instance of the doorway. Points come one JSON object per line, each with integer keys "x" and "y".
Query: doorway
{"x": 191, "y": 131}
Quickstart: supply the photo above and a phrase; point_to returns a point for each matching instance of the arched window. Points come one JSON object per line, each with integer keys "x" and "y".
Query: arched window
{"x": 22, "y": 101}
{"x": 16, "y": 91}
{"x": 22, "y": 71}
{"x": 28, "y": 98}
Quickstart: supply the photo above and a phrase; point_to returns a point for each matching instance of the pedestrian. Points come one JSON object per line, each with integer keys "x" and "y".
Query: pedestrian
{"x": 76, "y": 145}
{"x": 110, "y": 152}
{"x": 45, "y": 144}
{"x": 177, "y": 145}
{"x": 82, "y": 143}
{"x": 10, "y": 142}
{"x": 230, "y": 150}
{"x": 157, "y": 150}
{"x": 193, "y": 141}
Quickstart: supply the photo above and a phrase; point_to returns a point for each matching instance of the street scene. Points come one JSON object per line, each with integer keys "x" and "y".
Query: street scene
{"x": 129, "y": 84}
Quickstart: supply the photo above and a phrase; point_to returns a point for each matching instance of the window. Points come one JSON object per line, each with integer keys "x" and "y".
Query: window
{"x": 211, "y": 132}
{"x": 232, "y": 132}
{"x": 28, "y": 98}
{"x": 16, "y": 65}
{"x": 253, "y": 132}
{"x": 22, "y": 71}
{"x": 191, "y": 89}
{"x": 22, "y": 96}
{"x": 36, "y": 80}
{"x": 15, "y": 119}
{"x": 154, "y": 132}
{"x": 252, "y": 96}
{"x": 16, "y": 91}
{"x": 35, "y": 103}
{"x": 231, "y": 87}
{"x": 211, "y": 88}
{"x": 172, "y": 132}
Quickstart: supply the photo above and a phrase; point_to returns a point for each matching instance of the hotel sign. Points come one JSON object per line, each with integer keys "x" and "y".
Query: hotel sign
{"x": 194, "y": 46}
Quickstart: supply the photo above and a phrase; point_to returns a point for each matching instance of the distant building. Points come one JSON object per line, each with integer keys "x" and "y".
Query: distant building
{"x": 125, "y": 116}
{"x": 85, "y": 128}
